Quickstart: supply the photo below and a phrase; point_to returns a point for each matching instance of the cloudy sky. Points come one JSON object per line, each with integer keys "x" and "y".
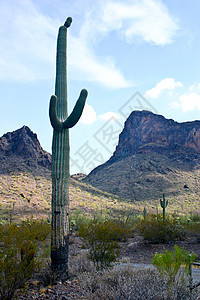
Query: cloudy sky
{"x": 128, "y": 54}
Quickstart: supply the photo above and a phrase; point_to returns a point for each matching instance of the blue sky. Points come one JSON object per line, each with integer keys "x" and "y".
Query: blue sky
{"x": 127, "y": 54}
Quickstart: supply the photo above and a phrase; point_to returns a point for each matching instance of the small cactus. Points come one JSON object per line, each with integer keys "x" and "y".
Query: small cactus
{"x": 144, "y": 213}
{"x": 163, "y": 204}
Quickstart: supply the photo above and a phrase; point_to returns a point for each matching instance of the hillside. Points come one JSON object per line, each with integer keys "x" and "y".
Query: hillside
{"x": 25, "y": 182}
{"x": 119, "y": 186}
{"x": 154, "y": 156}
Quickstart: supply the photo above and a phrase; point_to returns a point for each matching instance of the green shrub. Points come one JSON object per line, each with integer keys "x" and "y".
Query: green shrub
{"x": 76, "y": 219}
{"x": 191, "y": 224}
{"x": 168, "y": 264}
{"x": 154, "y": 230}
{"x": 194, "y": 230}
{"x": 21, "y": 253}
{"x": 101, "y": 239}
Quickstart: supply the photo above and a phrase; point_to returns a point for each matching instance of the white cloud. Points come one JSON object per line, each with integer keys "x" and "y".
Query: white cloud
{"x": 109, "y": 115}
{"x": 27, "y": 48}
{"x": 195, "y": 87}
{"x": 189, "y": 102}
{"x": 84, "y": 61}
{"x": 26, "y": 41}
{"x": 165, "y": 84}
{"x": 146, "y": 19}
{"x": 89, "y": 115}
{"x": 28, "y": 36}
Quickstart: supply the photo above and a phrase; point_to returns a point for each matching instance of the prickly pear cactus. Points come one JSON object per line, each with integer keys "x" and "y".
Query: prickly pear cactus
{"x": 61, "y": 123}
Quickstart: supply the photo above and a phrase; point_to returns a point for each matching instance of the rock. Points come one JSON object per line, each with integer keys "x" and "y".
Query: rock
{"x": 133, "y": 247}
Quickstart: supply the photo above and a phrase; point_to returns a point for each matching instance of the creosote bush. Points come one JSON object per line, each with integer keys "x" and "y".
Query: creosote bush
{"x": 102, "y": 240}
{"x": 22, "y": 251}
{"x": 154, "y": 230}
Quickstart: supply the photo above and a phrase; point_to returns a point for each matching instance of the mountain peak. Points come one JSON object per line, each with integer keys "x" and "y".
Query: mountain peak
{"x": 154, "y": 155}
{"x": 24, "y": 143}
{"x": 145, "y": 131}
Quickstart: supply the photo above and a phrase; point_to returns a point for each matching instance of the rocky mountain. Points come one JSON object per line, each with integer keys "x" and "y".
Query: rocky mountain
{"x": 25, "y": 182}
{"x": 145, "y": 131}
{"x": 154, "y": 155}
{"x": 20, "y": 150}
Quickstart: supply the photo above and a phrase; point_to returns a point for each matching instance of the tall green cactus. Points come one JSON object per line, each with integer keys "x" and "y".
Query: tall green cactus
{"x": 163, "y": 204}
{"x": 60, "y": 156}
{"x": 144, "y": 212}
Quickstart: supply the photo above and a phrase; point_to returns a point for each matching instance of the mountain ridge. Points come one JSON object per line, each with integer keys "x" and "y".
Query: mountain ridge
{"x": 154, "y": 155}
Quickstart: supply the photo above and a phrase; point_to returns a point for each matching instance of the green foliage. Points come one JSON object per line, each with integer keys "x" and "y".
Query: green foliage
{"x": 21, "y": 253}
{"x": 169, "y": 263}
{"x": 194, "y": 230}
{"x": 191, "y": 224}
{"x": 102, "y": 239}
{"x": 76, "y": 219}
{"x": 154, "y": 230}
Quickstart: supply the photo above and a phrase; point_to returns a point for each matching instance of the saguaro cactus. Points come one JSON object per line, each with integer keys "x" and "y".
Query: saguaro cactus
{"x": 144, "y": 213}
{"x": 163, "y": 204}
{"x": 60, "y": 156}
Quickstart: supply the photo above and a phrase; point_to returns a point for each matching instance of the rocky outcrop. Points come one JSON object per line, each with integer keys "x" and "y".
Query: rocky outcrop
{"x": 144, "y": 131}
{"x": 23, "y": 144}
{"x": 154, "y": 155}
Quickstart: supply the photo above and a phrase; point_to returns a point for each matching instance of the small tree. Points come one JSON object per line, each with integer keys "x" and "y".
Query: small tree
{"x": 101, "y": 238}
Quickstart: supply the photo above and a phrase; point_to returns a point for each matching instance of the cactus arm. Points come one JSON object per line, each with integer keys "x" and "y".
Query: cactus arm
{"x": 77, "y": 111}
{"x": 55, "y": 122}
{"x": 68, "y": 22}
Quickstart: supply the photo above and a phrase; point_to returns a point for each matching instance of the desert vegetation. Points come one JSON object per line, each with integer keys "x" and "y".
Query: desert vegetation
{"x": 99, "y": 261}
{"x": 106, "y": 232}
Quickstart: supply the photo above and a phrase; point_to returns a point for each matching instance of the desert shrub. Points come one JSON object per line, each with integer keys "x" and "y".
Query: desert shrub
{"x": 119, "y": 229}
{"x": 191, "y": 224}
{"x": 189, "y": 219}
{"x": 194, "y": 230}
{"x": 168, "y": 264}
{"x": 22, "y": 251}
{"x": 127, "y": 283}
{"x": 155, "y": 230}
{"x": 80, "y": 263}
{"x": 195, "y": 217}
{"x": 101, "y": 239}
{"x": 76, "y": 219}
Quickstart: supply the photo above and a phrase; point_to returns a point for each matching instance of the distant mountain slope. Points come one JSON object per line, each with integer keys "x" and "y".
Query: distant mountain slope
{"x": 25, "y": 182}
{"x": 20, "y": 150}
{"x": 154, "y": 156}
